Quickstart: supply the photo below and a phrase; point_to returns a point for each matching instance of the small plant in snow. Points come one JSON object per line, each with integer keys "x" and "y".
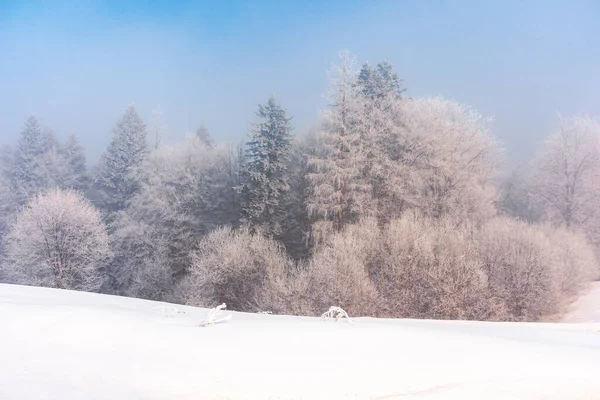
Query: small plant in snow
{"x": 215, "y": 316}
{"x": 168, "y": 311}
{"x": 336, "y": 313}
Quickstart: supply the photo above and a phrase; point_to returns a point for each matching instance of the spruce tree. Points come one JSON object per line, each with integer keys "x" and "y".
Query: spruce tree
{"x": 119, "y": 171}
{"x": 73, "y": 171}
{"x": 31, "y": 161}
{"x": 379, "y": 82}
{"x": 264, "y": 171}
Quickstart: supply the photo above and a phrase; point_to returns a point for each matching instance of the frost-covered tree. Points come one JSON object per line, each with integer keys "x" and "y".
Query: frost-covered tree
{"x": 187, "y": 192}
{"x": 72, "y": 165}
{"x": 265, "y": 177}
{"x": 339, "y": 192}
{"x": 119, "y": 172}
{"x": 296, "y": 225}
{"x": 33, "y": 161}
{"x": 7, "y": 205}
{"x": 58, "y": 240}
{"x": 433, "y": 155}
{"x": 204, "y": 136}
{"x": 516, "y": 197}
{"x": 567, "y": 179}
{"x": 379, "y": 82}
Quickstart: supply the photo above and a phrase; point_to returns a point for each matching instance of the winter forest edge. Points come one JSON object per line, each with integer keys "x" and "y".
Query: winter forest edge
{"x": 390, "y": 206}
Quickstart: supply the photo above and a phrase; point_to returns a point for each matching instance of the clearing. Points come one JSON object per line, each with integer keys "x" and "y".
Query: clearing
{"x": 57, "y": 344}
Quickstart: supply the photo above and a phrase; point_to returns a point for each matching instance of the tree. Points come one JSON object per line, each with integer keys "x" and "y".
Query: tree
{"x": 379, "y": 82}
{"x": 119, "y": 170}
{"x": 265, "y": 169}
{"x": 59, "y": 241}
{"x": 204, "y": 136}
{"x": 568, "y": 172}
{"x": 73, "y": 170}
{"x": 187, "y": 191}
{"x": 296, "y": 223}
{"x": 436, "y": 156}
{"x": 516, "y": 198}
{"x": 339, "y": 192}
{"x": 33, "y": 161}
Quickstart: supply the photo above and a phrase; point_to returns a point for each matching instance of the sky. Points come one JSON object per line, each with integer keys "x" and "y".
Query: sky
{"x": 76, "y": 66}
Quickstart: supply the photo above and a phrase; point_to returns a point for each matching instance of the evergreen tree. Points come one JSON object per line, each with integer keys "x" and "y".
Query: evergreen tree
{"x": 32, "y": 161}
{"x": 264, "y": 176}
{"x": 120, "y": 168}
{"x": 204, "y": 136}
{"x": 73, "y": 171}
{"x": 296, "y": 224}
{"x": 379, "y": 82}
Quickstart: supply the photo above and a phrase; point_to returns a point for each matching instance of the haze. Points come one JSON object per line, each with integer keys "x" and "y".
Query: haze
{"x": 77, "y": 66}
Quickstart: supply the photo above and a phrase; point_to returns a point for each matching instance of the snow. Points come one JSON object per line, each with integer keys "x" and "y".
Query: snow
{"x": 587, "y": 307}
{"x": 65, "y": 345}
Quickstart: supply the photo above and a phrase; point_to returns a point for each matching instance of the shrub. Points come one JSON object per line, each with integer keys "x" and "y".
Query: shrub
{"x": 520, "y": 264}
{"x": 575, "y": 260}
{"x": 244, "y": 270}
{"x": 338, "y": 272}
{"x": 430, "y": 269}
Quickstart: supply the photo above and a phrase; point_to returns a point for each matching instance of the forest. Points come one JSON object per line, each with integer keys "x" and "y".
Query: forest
{"x": 389, "y": 206}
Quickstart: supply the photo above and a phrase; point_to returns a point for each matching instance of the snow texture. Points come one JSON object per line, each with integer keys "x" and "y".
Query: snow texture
{"x": 587, "y": 307}
{"x": 58, "y": 344}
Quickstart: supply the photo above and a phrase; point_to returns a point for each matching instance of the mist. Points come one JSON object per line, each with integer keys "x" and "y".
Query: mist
{"x": 76, "y": 67}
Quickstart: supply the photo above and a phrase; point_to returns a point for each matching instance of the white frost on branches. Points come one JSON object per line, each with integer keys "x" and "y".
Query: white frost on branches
{"x": 335, "y": 313}
{"x": 215, "y": 316}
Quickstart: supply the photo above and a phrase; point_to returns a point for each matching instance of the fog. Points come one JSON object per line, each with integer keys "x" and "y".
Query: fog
{"x": 76, "y": 67}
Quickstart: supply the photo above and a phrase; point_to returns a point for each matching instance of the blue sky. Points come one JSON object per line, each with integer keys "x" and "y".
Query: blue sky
{"x": 77, "y": 65}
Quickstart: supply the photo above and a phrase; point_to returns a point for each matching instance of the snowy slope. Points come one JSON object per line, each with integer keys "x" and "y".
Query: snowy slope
{"x": 65, "y": 345}
{"x": 587, "y": 307}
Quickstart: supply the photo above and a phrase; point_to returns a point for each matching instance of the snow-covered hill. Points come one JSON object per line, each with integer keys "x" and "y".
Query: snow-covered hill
{"x": 66, "y": 345}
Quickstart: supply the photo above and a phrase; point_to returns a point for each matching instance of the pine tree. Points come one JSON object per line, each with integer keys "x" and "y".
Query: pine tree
{"x": 120, "y": 168}
{"x": 264, "y": 176}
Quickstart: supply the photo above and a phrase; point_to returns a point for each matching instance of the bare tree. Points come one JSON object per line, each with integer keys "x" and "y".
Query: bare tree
{"x": 448, "y": 158}
{"x": 58, "y": 240}
{"x": 568, "y": 172}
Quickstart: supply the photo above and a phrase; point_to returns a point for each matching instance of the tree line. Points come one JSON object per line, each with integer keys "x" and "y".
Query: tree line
{"x": 388, "y": 206}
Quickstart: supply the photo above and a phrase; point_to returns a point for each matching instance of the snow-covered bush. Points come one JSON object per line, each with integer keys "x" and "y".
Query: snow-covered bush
{"x": 58, "y": 240}
{"x": 338, "y": 272}
{"x": 520, "y": 263}
{"x": 247, "y": 271}
{"x": 575, "y": 260}
{"x": 430, "y": 269}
